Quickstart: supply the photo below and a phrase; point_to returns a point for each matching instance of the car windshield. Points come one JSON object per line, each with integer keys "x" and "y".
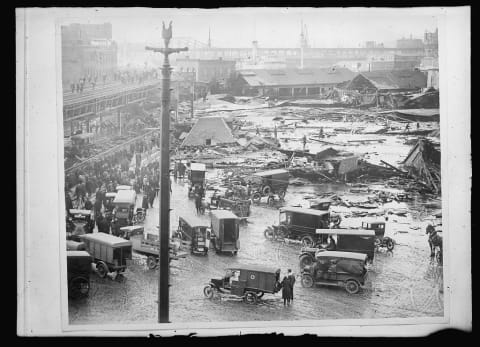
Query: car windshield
{"x": 283, "y": 217}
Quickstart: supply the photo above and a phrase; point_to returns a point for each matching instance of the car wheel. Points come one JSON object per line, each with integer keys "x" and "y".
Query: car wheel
{"x": 269, "y": 233}
{"x": 307, "y": 281}
{"x": 250, "y": 298}
{"x": 102, "y": 269}
{"x": 352, "y": 287}
{"x": 208, "y": 291}
{"x": 307, "y": 241}
{"x": 266, "y": 190}
{"x": 305, "y": 260}
{"x": 390, "y": 244}
{"x": 256, "y": 197}
{"x": 151, "y": 262}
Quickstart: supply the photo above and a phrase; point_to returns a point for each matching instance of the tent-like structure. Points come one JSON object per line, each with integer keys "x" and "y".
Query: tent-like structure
{"x": 209, "y": 131}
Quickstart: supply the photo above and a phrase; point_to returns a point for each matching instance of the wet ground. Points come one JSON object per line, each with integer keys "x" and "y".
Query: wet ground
{"x": 403, "y": 283}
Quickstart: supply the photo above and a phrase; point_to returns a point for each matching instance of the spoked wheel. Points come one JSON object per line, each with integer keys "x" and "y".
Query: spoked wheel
{"x": 79, "y": 287}
{"x": 250, "y": 298}
{"x": 208, "y": 291}
{"x": 269, "y": 234}
{"x": 390, "y": 244}
{"x": 305, "y": 260}
{"x": 102, "y": 269}
{"x": 256, "y": 197}
{"x": 352, "y": 287}
{"x": 307, "y": 281}
{"x": 307, "y": 241}
{"x": 151, "y": 262}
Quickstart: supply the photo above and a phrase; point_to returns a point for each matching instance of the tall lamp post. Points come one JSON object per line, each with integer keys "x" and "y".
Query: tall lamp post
{"x": 164, "y": 232}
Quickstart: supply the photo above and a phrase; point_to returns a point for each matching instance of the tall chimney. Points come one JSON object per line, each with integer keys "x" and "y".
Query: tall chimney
{"x": 255, "y": 51}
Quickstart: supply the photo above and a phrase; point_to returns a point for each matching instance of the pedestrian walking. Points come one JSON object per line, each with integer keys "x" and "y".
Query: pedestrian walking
{"x": 286, "y": 291}
{"x": 304, "y": 141}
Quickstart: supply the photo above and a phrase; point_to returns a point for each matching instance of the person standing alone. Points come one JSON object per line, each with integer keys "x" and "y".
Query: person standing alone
{"x": 286, "y": 290}
{"x": 291, "y": 277}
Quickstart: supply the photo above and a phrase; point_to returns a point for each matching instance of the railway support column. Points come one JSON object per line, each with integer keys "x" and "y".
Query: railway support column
{"x": 164, "y": 208}
{"x": 119, "y": 121}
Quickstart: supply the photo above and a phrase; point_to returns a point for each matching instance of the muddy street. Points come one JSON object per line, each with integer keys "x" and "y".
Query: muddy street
{"x": 402, "y": 283}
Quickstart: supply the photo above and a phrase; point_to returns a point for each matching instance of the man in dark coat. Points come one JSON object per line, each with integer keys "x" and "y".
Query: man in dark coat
{"x": 286, "y": 290}
{"x": 102, "y": 225}
{"x": 198, "y": 202}
{"x": 151, "y": 195}
{"x": 291, "y": 277}
{"x": 145, "y": 201}
{"x": 88, "y": 204}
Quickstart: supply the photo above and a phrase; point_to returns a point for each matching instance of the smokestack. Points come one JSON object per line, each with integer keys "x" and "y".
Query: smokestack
{"x": 255, "y": 51}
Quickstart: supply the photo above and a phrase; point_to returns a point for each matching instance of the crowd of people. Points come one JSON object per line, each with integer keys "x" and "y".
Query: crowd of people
{"x": 86, "y": 188}
{"x": 123, "y": 76}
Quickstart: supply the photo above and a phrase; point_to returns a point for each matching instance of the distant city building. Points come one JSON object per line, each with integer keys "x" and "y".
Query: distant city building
{"x": 289, "y": 83}
{"x": 206, "y": 70}
{"x": 430, "y": 41}
{"x": 87, "y": 50}
{"x": 388, "y": 81}
{"x": 389, "y": 62}
{"x": 373, "y": 44}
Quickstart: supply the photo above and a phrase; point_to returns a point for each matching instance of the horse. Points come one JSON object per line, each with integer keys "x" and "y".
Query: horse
{"x": 434, "y": 240}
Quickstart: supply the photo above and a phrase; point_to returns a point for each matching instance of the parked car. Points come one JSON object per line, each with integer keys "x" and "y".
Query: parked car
{"x": 124, "y": 207}
{"x": 225, "y": 231}
{"x": 301, "y": 223}
{"x": 79, "y": 267}
{"x": 346, "y": 240}
{"x": 268, "y": 183}
{"x": 195, "y": 231}
{"x": 241, "y": 208}
{"x": 249, "y": 282}
{"x": 196, "y": 178}
{"x": 334, "y": 268}
{"x": 78, "y": 223}
{"x": 380, "y": 239}
{"x": 110, "y": 253}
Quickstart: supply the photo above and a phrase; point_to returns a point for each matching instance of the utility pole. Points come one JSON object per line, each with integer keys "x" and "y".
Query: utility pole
{"x": 164, "y": 232}
{"x": 193, "y": 95}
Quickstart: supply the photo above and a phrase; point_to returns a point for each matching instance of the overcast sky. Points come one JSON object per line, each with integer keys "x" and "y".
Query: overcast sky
{"x": 271, "y": 27}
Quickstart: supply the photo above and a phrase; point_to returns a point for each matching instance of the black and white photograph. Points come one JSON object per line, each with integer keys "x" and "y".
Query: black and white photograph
{"x": 266, "y": 167}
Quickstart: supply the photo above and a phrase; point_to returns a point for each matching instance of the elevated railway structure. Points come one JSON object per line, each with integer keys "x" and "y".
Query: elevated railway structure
{"x": 93, "y": 103}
